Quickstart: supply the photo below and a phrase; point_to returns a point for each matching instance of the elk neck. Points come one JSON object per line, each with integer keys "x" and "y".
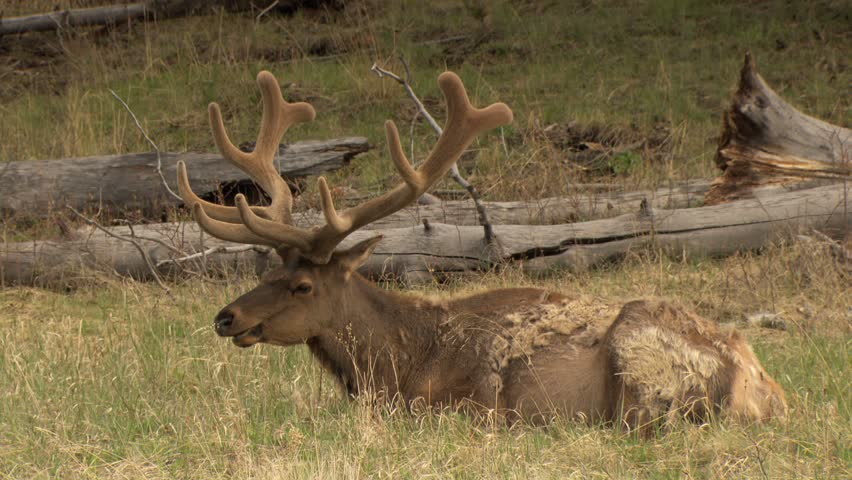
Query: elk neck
{"x": 378, "y": 337}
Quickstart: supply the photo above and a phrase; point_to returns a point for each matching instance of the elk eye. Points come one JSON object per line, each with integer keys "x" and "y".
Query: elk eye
{"x": 303, "y": 288}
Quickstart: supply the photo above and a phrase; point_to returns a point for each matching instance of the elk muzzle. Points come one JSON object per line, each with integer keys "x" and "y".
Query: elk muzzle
{"x": 226, "y": 324}
{"x": 223, "y": 322}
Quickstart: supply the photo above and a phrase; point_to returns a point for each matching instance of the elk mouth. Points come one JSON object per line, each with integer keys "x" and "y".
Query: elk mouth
{"x": 248, "y": 337}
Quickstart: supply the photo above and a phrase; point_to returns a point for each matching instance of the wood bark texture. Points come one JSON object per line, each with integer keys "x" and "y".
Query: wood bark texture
{"x": 417, "y": 253}
{"x": 766, "y": 141}
{"x": 113, "y": 14}
{"x": 72, "y": 18}
{"x": 543, "y": 211}
{"x": 130, "y": 182}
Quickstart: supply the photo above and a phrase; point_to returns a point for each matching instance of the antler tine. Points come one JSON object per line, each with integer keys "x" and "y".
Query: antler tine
{"x": 464, "y": 123}
{"x": 277, "y": 117}
{"x": 214, "y": 210}
{"x": 219, "y": 212}
{"x": 231, "y": 232}
{"x": 278, "y": 233}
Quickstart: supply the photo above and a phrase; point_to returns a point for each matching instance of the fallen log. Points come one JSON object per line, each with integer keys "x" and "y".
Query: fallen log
{"x": 114, "y": 14}
{"x": 416, "y": 253}
{"x": 704, "y": 231}
{"x": 766, "y": 141}
{"x": 544, "y": 211}
{"x": 71, "y": 18}
{"x": 130, "y": 182}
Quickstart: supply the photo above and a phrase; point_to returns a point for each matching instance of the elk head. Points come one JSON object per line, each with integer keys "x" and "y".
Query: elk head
{"x": 293, "y": 303}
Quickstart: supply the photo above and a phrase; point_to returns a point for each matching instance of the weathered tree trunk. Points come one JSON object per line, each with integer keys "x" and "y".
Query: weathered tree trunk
{"x": 113, "y": 14}
{"x": 414, "y": 253}
{"x": 766, "y": 141}
{"x": 544, "y": 211}
{"x": 69, "y": 18}
{"x": 130, "y": 182}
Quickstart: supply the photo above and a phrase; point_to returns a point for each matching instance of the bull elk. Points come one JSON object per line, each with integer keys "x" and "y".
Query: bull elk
{"x": 522, "y": 352}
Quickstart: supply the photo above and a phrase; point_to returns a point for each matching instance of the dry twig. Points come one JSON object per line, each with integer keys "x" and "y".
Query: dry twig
{"x": 151, "y": 142}
{"x": 265, "y": 11}
{"x": 130, "y": 240}
{"x": 454, "y": 170}
{"x": 212, "y": 250}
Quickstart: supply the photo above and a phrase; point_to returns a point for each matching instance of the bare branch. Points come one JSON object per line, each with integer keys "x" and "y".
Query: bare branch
{"x": 454, "y": 170}
{"x": 503, "y": 142}
{"x": 411, "y": 131}
{"x": 151, "y": 142}
{"x": 136, "y": 244}
{"x": 158, "y": 241}
{"x": 265, "y": 11}
{"x": 212, "y": 250}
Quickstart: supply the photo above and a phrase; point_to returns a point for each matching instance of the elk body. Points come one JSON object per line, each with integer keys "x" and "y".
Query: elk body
{"x": 524, "y": 353}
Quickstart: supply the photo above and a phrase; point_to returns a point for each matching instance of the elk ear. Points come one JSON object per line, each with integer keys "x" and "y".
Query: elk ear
{"x": 349, "y": 260}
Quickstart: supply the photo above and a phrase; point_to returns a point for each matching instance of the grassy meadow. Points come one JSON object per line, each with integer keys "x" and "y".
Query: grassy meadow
{"x": 120, "y": 381}
{"x": 116, "y": 379}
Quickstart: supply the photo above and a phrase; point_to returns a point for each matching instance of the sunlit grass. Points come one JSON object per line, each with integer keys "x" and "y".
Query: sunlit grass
{"x": 119, "y": 380}
{"x": 655, "y": 66}
{"x": 123, "y": 381}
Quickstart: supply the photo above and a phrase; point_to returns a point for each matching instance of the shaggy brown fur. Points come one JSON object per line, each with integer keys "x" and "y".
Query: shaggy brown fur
{"x": 523, "y": 353}
{"x": 671, "y": 363}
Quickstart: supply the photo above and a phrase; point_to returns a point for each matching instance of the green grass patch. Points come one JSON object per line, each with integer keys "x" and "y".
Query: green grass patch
{"x": 649, "y": 66}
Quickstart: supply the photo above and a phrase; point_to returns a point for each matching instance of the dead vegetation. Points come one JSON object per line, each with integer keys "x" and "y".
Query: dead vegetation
{"x": 198, "y": 409}
{"x": 596, "y": 150}
{"x": 114, "y": 380}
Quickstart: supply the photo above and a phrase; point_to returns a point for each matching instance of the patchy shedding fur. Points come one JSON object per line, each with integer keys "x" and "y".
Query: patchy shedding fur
{"x": 671, "y": 362}
{"x": 578, "y": 321}
{"x": 663, "y": 368}
{"x": 499, "y": 338}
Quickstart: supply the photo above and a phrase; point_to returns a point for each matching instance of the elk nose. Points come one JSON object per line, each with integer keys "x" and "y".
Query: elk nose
{"x": 223, "y": 320}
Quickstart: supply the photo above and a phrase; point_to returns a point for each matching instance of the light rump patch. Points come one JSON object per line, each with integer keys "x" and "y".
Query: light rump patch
{"x": 672, "y": 363}
{"x": 663, "y": 368}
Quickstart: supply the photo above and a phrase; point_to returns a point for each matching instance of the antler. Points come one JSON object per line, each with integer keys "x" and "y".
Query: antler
{"x": 262, "y": 226}
{"x": 278, "y": 115}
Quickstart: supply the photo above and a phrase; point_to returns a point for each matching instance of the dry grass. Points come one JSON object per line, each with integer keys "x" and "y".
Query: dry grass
{"x": 121, "y": 382}
{"x": 116, "y": 380}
